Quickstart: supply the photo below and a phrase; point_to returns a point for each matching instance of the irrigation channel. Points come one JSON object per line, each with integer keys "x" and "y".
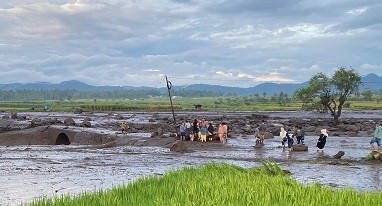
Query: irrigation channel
{"x": 99, "y": 156}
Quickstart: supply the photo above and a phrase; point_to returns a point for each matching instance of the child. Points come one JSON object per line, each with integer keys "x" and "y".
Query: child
{"x": 124, "y": 127}
{"x": 203, "y": 133}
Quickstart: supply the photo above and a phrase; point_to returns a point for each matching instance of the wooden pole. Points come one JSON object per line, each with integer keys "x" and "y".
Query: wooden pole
{"x": 169, "y": 85}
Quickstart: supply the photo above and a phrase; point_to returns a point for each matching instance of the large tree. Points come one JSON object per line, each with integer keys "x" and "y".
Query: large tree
{"x": 331, "y": 92}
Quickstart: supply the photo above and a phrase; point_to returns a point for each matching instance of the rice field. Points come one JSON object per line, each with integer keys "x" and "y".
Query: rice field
{"x": 219, "y": 184}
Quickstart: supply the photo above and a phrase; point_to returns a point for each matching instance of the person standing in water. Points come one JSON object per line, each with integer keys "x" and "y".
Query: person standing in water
{"x": 376, "y": 139}
{"x": 257, "y": 135}
{"x": 322, "y": 140}
{"x": 290, "y": 139}
{"x": 263, "y": 128}
{"x": 283, "y": 137}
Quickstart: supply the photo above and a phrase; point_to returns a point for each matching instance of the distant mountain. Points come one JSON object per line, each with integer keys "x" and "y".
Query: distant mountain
{"x": 268, "y": 88}
{"x": 73, "y": 84}
{"x": 371, "y": 81}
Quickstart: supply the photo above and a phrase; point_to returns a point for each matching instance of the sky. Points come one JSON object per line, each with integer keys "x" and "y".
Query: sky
{"x": 238, "y": 43}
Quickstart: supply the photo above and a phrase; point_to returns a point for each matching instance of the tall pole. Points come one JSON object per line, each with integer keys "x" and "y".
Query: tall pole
{"x": 169, "y": 85}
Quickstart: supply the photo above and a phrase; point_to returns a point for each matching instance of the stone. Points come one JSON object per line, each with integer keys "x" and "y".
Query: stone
{"x": 178, "y": 146}
{"x": 339, "y": 154}
{"x": 69, "y": 121}
{"x": 119, "y": 117}
{"x": 88, "y": 119}
{"x": 14, "y": 115}
{"x": 268, "y": 135}
{"x": 86, "y": 123}
{"x": 300, "y": 147}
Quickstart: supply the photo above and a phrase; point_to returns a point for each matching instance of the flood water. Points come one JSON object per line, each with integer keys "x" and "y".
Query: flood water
{"x": 30, "y": 172}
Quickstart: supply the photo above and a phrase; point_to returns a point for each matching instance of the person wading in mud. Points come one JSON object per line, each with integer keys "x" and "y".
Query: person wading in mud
{"x": 203, "y": 133}
{"x": 188, "y": 130}
{"x": 283, "y": 137}
{"x": 220, "y": 133}
{"x": 263, "y": 128}
{"x": 182, "y": 131}
{"x": 290, "y": 140}
{"x": 124, "y": 127}
{"x": 376, "y": 139}
{"x": 322, "y": 140}
{"x": 225, "y": 132}
{"x": 299, "y": 135}
{"x": 195, "y": 129}
{"x": 257, "y": 135}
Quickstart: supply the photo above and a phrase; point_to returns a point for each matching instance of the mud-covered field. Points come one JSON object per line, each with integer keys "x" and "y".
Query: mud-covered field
{"x": 99, "y": 156}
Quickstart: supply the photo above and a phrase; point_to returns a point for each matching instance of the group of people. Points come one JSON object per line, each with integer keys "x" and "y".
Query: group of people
{"x": 288, "y": 137}
{"x": 203, "y": 130}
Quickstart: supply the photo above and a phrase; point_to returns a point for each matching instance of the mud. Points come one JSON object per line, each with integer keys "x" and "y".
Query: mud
{"x": 32, "y": 166}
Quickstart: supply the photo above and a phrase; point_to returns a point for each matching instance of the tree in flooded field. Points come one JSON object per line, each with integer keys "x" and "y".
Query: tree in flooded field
{"x": 332, "y": 92}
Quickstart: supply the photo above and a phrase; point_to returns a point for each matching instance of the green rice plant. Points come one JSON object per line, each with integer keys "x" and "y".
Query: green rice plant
{"x": 219, "y": 184}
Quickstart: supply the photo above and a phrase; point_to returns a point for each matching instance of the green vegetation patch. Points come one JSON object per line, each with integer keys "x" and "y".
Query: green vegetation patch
{"x": 219, "y": 184}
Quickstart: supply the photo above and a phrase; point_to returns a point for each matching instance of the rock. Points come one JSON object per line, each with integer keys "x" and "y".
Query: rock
{"x": 268, "y": 135}
{"x": 88, "y": 119}
{"x": 119, "y": 117}
{"x": 352, "y": 134}
{"x": 23, "y": 117}
{"x": 178, "y": 146}
{"x": 5, "y": 117}
{"x": 300, "y": 147}
{"x": 14, "y": 115}
{"x": 69, "y": 121}
{"x": 173, "y": 135}
{"x": 36, "y": 122}
{"x": 159, "y": 132}
{"x": 86, "y": 123}
{"x": 339, "y": 154}
{"x": 352, "y": 128}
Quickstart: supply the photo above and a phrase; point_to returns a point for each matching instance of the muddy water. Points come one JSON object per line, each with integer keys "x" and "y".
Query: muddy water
{"x": 30, "y": 172}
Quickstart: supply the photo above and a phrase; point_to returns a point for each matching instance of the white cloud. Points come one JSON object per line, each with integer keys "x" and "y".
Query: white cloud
{"x": 357, "y": 11}
{"x": 234, "y": 43}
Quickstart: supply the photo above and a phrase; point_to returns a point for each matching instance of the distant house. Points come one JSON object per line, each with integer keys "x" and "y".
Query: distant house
{"x": 198, "y": 107}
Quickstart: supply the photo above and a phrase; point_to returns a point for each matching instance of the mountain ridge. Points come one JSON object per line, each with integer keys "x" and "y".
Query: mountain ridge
{"x": 370, "y": 81}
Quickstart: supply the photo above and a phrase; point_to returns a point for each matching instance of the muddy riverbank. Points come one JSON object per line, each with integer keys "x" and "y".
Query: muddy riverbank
{"x": 32, "y": 166}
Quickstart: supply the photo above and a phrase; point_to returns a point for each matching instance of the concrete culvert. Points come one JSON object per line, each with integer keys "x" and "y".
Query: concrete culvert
{"x": 62, "y": 139}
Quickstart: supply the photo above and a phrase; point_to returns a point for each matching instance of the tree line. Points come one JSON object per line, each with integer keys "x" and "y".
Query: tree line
{"x": 57, "y": 94}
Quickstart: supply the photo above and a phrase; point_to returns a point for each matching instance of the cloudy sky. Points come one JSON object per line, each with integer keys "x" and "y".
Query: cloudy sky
{"x": 226, "y": 42}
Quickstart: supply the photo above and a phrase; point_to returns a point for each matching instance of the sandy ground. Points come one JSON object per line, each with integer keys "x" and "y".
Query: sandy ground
{"x": 34, "y": 171}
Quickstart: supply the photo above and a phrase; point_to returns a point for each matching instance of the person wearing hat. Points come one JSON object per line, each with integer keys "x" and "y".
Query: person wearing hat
{"x": 322, "y": 140}
{"x": 377, "y": 138}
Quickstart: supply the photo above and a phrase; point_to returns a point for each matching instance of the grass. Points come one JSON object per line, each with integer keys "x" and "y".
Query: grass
{"x": 219, "y": 184}
{"x": 148, "y": 104}
{"x": 163, "y": 104}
